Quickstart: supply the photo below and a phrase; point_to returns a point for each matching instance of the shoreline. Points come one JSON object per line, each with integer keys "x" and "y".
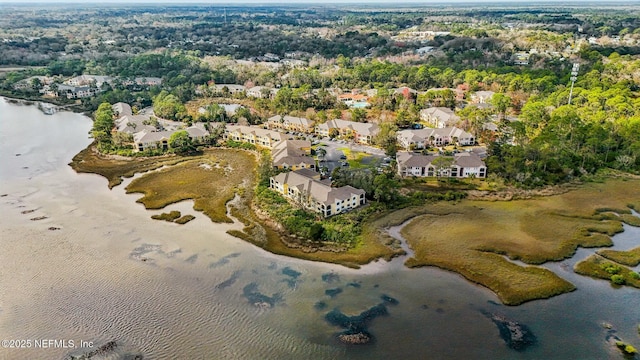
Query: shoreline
{"x": 32, "y": 101}
{"x": 377, "y": 235}
{"x": 376, "y": 229}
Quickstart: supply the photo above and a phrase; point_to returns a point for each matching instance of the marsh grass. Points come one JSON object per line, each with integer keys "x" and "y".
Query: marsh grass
{"x": 210, "y": 180}
{"x": 114, "y": 169}
{"x": 262, "y": 233}
{"x": 170, "y": 216}
{"x": 628, "y": 258}
{"x": 472, "y": 238}
{"x": 434, "y": 184}
{"x": 174, "y": 216}
{"x": 596, "y": 266}
{"x": 184, "y": 219}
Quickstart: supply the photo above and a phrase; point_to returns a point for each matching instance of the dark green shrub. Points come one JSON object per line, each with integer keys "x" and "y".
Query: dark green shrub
{"x": 618, "y": 279}
{"x": 610, "y": 268}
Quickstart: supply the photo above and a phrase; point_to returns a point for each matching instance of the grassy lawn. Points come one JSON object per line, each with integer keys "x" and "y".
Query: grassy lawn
{"x": 470, "y": 237}
{"x": 356, "y": 159}
{"x": 211, "y": 180}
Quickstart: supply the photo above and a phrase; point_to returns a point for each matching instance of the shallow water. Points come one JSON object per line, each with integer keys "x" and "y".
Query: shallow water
{"x": 177, "y": 292}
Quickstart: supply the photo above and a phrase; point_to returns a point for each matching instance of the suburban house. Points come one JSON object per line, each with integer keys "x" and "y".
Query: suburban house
{"x": 371, "y": 92}
{"x": 481, "y": 97}
{"x": 290, "y": 123}
{"x": 152, "y": 134}
{"x": 461, "y": 165}
{"x": 197, "y": 132}
{"x": 294, "y": 63}
{"x": 121, "y": 109}
{"x": 27, "y": 84}
{"x": 439, "y": 117}
{"x": 85, "y": 80}
{"x": 293, "y": 154}
{"x": 233, "y": 88}
{"x": 407, "y": 92}
{"x": 422, "y": 138}
{"x": 362, "y": 133}
{"x": 147, "y": 140}
{"x": 132, "y": 124}
{"x": 70, "y": 91}
{"x": 262, "y": 92}
{"x": 253, "y": 135}
{"x": 305, "y": 188}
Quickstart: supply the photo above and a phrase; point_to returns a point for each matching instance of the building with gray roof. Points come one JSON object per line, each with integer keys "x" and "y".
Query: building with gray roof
{"x": 304, "y": 188}
{"x": 439, "y": 117}
{"x": 422, "y": 138}
{"x": 461, "y": 165}
{"x": 290, "y": 123}
{"x": 362, "y": 133}
{"x": 121, "y": 109}
{"x": 293, "y": 154}
{"x": 253, "y": 135}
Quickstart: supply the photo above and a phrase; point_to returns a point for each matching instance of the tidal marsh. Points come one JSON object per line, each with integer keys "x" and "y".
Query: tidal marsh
{"x": 477, "y": 238}
{"x": 600, "y": 268}
{"x": 210, "y": 180}
{"x": 115, "y": 168}
{"x": 628, "y": 258}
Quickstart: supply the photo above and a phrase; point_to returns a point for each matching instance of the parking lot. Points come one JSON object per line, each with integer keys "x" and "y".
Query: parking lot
{"x": 337, "y": 158}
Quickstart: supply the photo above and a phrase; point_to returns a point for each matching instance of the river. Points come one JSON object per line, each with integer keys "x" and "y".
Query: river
{"x": 71, "y": 268}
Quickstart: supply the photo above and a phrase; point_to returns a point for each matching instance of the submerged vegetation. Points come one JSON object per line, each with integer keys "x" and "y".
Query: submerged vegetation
{"x": 355, "y": 327}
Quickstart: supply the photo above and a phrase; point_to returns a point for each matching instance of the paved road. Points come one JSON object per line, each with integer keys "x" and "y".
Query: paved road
{"x": 332, "y": 159}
